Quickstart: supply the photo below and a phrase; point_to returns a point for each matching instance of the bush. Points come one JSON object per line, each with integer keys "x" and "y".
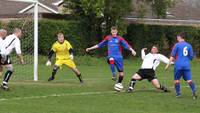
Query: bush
{"x": 48, "y": 30}
{"x": 47, "y": 34}
{"x": 140, "y": 36}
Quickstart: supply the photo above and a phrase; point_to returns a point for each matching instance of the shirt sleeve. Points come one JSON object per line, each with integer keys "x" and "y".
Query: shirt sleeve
{"x": 124, "y": 43}
{"x": 174, "y": 51}
{"x": 191, "y": 54}
{"x": 163, "y": 59}
{"x": 103, "y": 43}
{"x": 54, "y": 47}
{"x": 18, "y": 46}
{"x": 143, "y": 54}
{"x": 69, "y": 46}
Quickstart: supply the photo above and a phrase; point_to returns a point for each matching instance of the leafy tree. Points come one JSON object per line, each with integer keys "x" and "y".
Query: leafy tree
{"x": 97, "y": 16}
{"x": 159, "y": 7}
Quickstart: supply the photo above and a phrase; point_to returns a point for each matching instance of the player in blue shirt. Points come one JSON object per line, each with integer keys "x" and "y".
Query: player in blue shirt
{"x": 182, "y": 54}
{"x": 114, "y": 44}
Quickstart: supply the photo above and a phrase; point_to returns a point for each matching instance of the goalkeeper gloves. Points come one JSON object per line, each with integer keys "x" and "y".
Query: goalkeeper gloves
{"x": 71, "y": 56}
{"x": 48, "y": 63}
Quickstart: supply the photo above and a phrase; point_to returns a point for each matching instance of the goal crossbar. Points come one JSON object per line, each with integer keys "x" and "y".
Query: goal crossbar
{"x": 28, "y": 1}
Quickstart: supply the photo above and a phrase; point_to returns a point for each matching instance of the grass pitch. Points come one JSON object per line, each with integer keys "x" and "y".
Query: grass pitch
{"x": 66, "y": 95}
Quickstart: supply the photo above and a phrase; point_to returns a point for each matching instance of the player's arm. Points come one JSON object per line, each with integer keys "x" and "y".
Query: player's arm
{"x": 18, "y": 51}
{"x": 100, "y": 45}
{"x": 172, "y": 57}
{"x": 71, "y": 50}
{"x": 191, "y": 54}
{"x": 92, "y": 48}
{"x": 50, "y": 55}
{"x": 143, "y": 53}
{"x": 48, "y": 63}
{"x": 52, "y": 51}
{"x": 165, "y": 60}
{"x": 127, "y": 46}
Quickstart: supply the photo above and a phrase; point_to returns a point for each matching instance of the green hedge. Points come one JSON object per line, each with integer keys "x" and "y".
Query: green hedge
{"x": 140, "y": 36}
{"x": 47, "y": 34}
{"x": 48, "y": 30}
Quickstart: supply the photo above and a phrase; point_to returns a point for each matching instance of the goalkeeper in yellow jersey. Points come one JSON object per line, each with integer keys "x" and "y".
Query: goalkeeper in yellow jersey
{"x": 64, "y": 56}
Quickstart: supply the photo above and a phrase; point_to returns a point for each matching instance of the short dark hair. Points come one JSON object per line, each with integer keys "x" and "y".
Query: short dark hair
{"x": 182, "y": 35}
{"x": 114, "y": 28}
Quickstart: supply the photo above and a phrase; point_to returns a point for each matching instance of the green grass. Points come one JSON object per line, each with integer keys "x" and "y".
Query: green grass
{"x": 66, "y": 95}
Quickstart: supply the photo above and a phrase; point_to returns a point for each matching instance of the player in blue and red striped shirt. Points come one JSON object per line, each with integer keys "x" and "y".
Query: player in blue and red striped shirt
{"x": 115, "y": 58}
{"x": 182, "y": 54}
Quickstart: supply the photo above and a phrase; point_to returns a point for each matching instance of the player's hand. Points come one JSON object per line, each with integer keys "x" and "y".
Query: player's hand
{"x": 48, "y": 63}
{"x": 144, "y": 49}
{"x": 133, "y": 53}
{"x": 71, "y": 57}
{"x": 87, "y": 49}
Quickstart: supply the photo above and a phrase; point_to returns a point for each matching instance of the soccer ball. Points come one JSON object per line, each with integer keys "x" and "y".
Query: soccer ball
{"x": 118, "y": 86}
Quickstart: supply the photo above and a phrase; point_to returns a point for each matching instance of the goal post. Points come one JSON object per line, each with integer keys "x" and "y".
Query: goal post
{"x": 36, "y": 41}
{"x": 35, "y": 2}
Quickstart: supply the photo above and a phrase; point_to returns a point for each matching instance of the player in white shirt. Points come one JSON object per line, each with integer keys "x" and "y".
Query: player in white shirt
{"x": 3, "y": 34}
{"x": 9, "y": 43}
{"x": 147, "y": 70}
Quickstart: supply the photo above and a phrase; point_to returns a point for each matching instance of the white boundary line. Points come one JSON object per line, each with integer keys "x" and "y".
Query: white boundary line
{"x": 87, "y": 79}
{"x": 75, "y": 94}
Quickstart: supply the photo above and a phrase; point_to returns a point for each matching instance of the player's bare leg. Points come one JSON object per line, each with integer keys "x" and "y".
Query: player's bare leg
{"x": 78, "y": 74}
{"x": 7, "y": 76}
{"x": 134, "y": 78}
{"x": 55, "y": 69}
{"x": 157, "y": 85}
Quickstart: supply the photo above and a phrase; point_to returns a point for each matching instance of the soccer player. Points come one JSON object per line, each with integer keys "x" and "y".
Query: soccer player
{"x": 3, "y": 34}
{"x": 147, "y": 70}
{"x": 182, "y": 54}
{"x": 114, "y": 44}
{"x": 64, "y": 56}
{"x": 9, "y": 43}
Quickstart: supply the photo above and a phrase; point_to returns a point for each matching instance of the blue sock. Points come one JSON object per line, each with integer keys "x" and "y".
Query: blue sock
{"x": 112, "y": 67}
{"x": 177, "y": 87}
{"x": 192, "y": 86}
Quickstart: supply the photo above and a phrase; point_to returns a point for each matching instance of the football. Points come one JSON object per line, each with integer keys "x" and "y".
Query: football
{"x": 118, "y": 86}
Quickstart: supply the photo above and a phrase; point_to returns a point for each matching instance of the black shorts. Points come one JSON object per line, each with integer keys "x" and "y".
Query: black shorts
{"x": 148, "y": 74}
{"x": 5, "y": 60}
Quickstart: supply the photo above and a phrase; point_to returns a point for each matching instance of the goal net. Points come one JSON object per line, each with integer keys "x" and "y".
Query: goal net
{"x": 23, "y": 72}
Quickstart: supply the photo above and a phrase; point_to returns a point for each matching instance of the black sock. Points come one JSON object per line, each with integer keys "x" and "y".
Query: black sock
{"x": 80, "y": 78}
{"x": 7, "y": 76}
{"x": 120, "y": 79}
{"x": 54, "y": 72}
{"x": 163, "y": 88}
{"x": 132, "y": 83}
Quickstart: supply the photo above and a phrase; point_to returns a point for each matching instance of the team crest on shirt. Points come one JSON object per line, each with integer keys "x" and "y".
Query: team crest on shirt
{"x": 116, "y": 41}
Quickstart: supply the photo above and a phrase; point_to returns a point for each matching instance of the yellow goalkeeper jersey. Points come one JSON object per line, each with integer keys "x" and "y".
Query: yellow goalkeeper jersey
{"x": 62, "y": 50}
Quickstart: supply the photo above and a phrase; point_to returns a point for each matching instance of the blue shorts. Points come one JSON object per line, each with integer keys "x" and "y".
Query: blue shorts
{"x": 118, "y": 62}
{"x": 186, "y": 73}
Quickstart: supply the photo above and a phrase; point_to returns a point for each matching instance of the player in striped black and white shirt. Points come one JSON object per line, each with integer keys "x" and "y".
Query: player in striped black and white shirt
{"x": 147, "y": 70}
{"x": 9, "y": 43}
